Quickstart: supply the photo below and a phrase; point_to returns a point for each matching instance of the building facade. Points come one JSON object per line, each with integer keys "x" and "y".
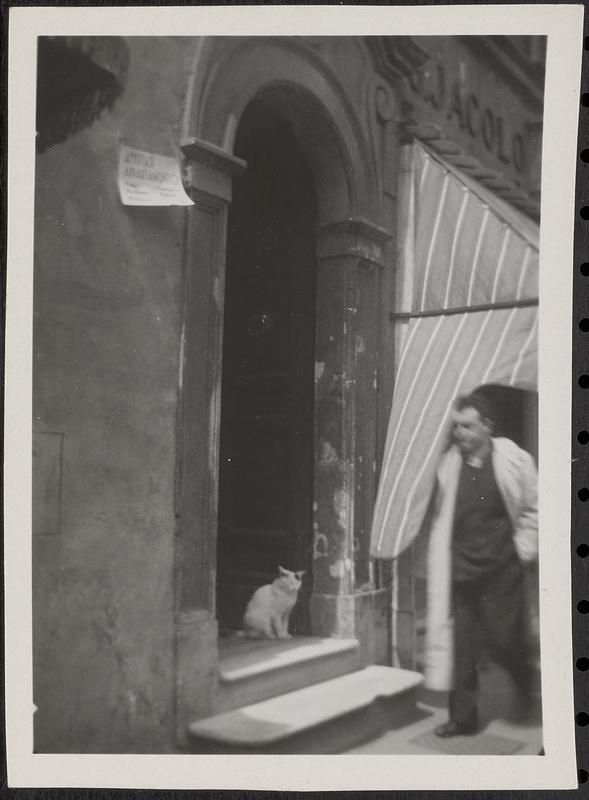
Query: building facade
{"x": 213, "y": 384}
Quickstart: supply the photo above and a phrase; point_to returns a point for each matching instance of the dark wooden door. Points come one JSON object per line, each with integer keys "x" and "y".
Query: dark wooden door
{"x": 266, "y": 458}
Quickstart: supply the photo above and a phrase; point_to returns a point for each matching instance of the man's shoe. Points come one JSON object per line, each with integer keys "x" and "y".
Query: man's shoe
{"x": 452, "y": 728}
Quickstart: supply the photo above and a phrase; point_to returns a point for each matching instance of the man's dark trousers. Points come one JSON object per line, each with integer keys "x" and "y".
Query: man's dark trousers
{"x": 490, "y": 610}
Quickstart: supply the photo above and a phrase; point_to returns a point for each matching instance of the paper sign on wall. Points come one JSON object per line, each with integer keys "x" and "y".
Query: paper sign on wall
{"x": 148, "y": 179}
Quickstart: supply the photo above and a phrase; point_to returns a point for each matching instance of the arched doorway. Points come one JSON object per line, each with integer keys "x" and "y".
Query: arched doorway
{"x": 266, "y": 426}
{"x": 244, "y": 92}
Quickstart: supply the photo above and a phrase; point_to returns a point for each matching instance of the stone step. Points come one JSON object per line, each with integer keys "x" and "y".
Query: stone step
{"x": 257, "y": 669}
{"x": 327, "y": 717}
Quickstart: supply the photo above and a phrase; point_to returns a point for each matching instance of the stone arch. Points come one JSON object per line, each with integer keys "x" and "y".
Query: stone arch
{"x": 229, "y": 73}
{"x": 351, "y": 248}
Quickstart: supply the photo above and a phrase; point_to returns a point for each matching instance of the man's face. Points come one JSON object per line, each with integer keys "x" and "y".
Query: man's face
{"x": 470, "y": 431}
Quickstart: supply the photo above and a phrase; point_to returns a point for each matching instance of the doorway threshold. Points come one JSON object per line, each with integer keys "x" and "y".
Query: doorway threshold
{"x": 251, "y": 670}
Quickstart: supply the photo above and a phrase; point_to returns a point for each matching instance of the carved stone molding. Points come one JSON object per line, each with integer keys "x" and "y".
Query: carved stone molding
{"x": 212, "y": 156}
{"x": 209, "y": 168}
{"x": 384, "y": 102}
{"x": 396, "y": 56}
{"x": 352, "y": 237}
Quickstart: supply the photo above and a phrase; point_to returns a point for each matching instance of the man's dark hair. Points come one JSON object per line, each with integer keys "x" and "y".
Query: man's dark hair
{"x": 479, "y": 402}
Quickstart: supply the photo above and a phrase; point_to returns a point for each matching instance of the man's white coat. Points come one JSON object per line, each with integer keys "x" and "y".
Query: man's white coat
{"x": 517, "y": 480}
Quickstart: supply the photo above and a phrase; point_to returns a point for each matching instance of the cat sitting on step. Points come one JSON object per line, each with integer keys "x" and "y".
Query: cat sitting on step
{"x": 268, "y": 611}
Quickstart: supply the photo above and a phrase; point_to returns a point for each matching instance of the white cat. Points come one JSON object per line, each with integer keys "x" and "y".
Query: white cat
{"x": 268, "y": 611}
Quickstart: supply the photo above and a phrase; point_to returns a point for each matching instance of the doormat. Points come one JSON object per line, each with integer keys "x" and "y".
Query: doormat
{"x": 481, "y": 744}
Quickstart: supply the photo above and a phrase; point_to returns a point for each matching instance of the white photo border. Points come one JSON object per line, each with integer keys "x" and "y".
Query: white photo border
{"x": 563, "y": 25}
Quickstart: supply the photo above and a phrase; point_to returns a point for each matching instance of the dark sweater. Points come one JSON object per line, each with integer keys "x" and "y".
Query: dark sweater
{"x": 483, "y": 536}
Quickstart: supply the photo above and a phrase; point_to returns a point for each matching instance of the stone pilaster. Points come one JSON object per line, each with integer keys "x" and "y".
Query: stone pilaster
{"x": 209, "y": 173}
{"x": 350, "y": 255}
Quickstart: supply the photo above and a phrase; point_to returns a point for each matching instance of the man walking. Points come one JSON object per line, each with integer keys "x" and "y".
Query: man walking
{"x": 484, "y": 530}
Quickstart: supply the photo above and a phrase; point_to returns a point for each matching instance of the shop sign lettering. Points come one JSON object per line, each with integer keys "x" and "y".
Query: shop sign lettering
{"x": 458, "y": 106}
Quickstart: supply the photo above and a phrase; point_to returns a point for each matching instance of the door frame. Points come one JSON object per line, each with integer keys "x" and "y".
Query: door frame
{"x": 352, "y": 249}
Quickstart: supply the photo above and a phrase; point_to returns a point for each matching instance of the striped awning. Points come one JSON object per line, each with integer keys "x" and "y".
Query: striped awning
{"x": 473, "y": 264}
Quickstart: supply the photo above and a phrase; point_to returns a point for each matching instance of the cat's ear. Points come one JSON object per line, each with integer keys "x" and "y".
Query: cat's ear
{"x": 283, "y": 571}
{"x": 300, "y": 573}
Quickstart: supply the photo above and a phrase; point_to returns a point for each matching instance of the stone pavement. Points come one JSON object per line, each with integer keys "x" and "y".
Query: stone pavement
{"x": 501, "y": 733}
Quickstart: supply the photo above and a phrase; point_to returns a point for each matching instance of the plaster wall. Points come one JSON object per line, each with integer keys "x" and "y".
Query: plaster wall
{"x": 109, "y": 303}
{"x": 107, "y": 332}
